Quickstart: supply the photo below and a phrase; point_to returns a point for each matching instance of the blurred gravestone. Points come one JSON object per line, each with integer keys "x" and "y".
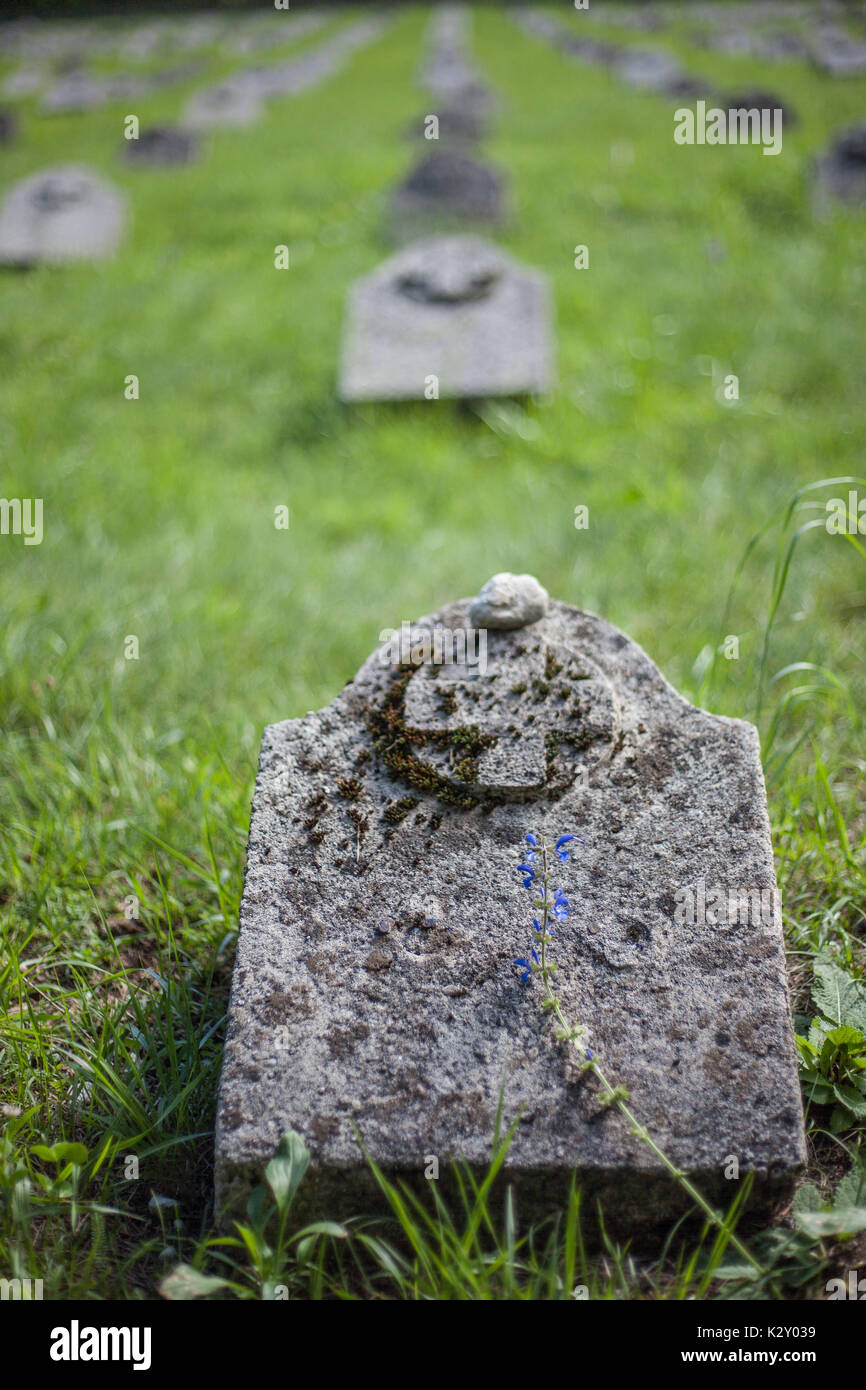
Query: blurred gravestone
{"x": 446, "y": 69}
{"x": 839, "y": 55}
{"x": 648, "y": 69}
{"x": 447, "y": 191}
{"x": 758, "y": 100}
{"x": 781, "y": 47}
{"x": 62, "y": 214}
{"x": 449, "y": 316}
{"x": 840, "y": 174}
{"x": 229, "y": 103}
{"x": 8, "y": 127}
{"x": 23, "y": 83}
{"x": 73, "y": 94}
{"x": 174, "y": 76}
{"x": 273, "y": 32}
{"x": 162, "y": 147}
{"x": 374, "y": 992}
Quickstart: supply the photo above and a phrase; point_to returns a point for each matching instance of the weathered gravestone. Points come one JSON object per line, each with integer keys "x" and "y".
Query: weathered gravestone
{"x": 449, "y": 316}
{"x": 8, "y": 127}
{"x": 229, "y": 103}
{"x": 23, "y": 83}
{"x": 446, "y": 191}
{"x": 74, "y": 94}
{"x": 759, "y": 100}
{"x": 65, "y": 213}
{"x": 162, "y": 147}
{"x": 840, "y": 173}
{"x": 649, "y": 69}
{"x": 448, "y": 72}
{"x": 839, "y": 55}
{"x": 374, "y": 989}
{"x": 781, "y": 47}
{"x": 273, "y": 32}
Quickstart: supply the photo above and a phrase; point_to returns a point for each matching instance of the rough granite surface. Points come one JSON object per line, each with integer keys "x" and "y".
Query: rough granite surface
{"x": 65, "y": 213}
{"x": 455, "y": 308}
{"x": 374, "y": 992}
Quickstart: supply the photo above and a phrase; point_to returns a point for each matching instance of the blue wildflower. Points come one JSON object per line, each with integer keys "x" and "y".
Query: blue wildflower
{"x": 529, "y": 874}
{"x": 562, "y": 854}
{"x": 561, "y": 906}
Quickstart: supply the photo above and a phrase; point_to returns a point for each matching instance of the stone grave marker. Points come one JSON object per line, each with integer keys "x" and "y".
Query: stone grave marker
{"x": 162, "y": 147}
{"x": 446, "y": 69}
{"x": 232, "y": 103}
{"x": 454, "y": 313}
{"x": 647, "y": 68}
{"x": 839, "y": 55}
{"x": 447, "y": 191}
{"x": 687, "y": 87}
{"x": 177, "y": 74}
{"x": 74, "y": 93}
{"x": 473, "y": 99}
{"x": 24, "y": 82}
{"x": 8, "y": 127}
{"x": 274, "y": 32}
{"x": 60, "y": 214}
{"x": 782, "y": 47}
{"x": 840, "y": 173}
{"x": 757, "y": 100}
{"x": 374, "y": 989}
{"x": 740, "y": 43}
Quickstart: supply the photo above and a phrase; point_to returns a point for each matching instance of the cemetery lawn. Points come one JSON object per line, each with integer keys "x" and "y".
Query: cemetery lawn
{"x": 125, "y": 783}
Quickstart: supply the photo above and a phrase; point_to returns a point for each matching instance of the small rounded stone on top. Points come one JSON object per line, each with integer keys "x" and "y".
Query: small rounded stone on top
{"x": 509, "y": 601}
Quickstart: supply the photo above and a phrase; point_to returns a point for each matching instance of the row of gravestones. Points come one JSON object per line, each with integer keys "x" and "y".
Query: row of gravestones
{"x": 70, "y": 213}
{"x": 46, "y": 49}
{"x": 839, "y": 173}
{"x": 80, "y": 89}
{"x": 752, "y": 31}
{"x": 450, "y": 314}
{"x": 374, "y": 1001}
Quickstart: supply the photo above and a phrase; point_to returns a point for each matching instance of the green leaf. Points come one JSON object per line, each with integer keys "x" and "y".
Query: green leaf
{"x": 257, "y": 1247}
{"x": 185, "y": 1282}
{"x": 323, "y": 1228}
{"x": 851, "y": 1191}
{"x": 846, "y": 1037}
{"x": 820, "y": 1094}
{"x": 852, "y": 1100}
{"x": 61, "y": 1153}
{"x": 806, "y": 1199}
{"x": 838, "y": 996}
{"x": 841, "y": 1221}
{"x": 287, "y": 1168}
{"x": 743, "y": 1271}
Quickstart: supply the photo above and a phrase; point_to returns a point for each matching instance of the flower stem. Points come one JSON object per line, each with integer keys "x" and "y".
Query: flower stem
{"x": 613, "y": 1094}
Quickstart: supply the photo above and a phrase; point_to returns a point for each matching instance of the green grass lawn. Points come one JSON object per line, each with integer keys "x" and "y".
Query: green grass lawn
{"x": 132, "y": 778}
